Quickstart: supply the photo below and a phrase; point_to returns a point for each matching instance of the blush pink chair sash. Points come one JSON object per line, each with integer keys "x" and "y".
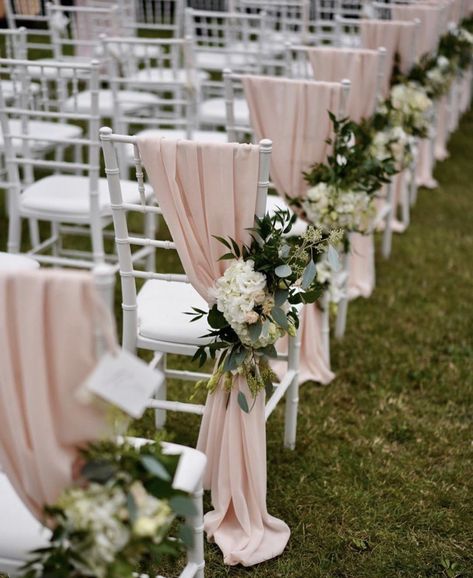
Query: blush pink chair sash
{"x": 441, "y": 137}
{"x": 299, "y": 140}
{"x": 360, "y": 66}
{"x": 430, "y": 28}
{"x": 49, "y": 321}
{"x": 361, "y": 269}
{"x": 205, "y": 190}
{"x": 397, "y": 37}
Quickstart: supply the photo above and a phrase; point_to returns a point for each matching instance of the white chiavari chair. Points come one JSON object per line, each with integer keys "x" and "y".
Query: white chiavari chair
{"x": 24, "y": 533}
{"x": 153, "y": 316}
{"x": 32, "y": 16}
{"x": 225, "y": 39}
{"x": 73, "y": 199}
{"x": 170, "y": 77}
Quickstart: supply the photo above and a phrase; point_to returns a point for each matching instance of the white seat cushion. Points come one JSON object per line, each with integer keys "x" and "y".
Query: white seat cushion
{"x": 130, "y": 101}
{"x": 166, "y": 75}
{"x": 274, "y": 202}
{"x": 11, "y": 262}
{"x": 215, "y": 60}
{"x": 207, "y": 136}
{"x": 68, "y": 195}
{"x": 38, "y": 128}
{"x": 212, "y": 111}
{"x": 10, "y": 88}
{"x": 20, "y": 532}
{"x": 161, "y": 307}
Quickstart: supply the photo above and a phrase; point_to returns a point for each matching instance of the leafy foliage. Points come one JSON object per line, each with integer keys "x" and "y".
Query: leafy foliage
{"x": 115, "y": 469}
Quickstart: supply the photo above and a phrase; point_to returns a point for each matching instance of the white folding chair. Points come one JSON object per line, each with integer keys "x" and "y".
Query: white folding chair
{"x": 74, "y": 198}
{"x": 153, "y": 317}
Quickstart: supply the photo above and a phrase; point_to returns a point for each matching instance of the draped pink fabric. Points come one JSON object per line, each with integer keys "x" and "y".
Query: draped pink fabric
{"x": 361, "y": 272}
{"x": 441, "y": 138}
{"x": 360, "y": 66}
{"x": 431, "y": 24}
{"x": 397, "y": 37}
{"x": 205, "y": 190}
{"x": 299, "y": 135}
{"x": 241, "y": 525}
{"x": 465, "y": 90}
{"x": 425, "y": 165}
{"x": 294, "y": 115}
{"x": 47, "y": 350}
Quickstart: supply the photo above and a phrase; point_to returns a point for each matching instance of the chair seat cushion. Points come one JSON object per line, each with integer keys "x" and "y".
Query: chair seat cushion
{"x": 216, "y": 60}
{"x": 213, "y": 111}
{"x": 68, "y": 195}
{"x": 130, "y": 101}
{"x": 10, "y": 88}
{"x": 12, "y": 262}
{"x": 38, "y": 128}
{"x": 166, "y": 75}
{"x": 161, "y": 312}
{"x": 20, "y": 532}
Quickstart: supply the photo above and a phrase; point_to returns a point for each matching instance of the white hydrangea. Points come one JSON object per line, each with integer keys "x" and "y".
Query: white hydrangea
{"x": 326, "y": 274}
{"x": 395, "y": 142}
{"x": 99, "y": 510}
{"x": 411, "y": 106}
{"x": 237, "y": 293}
{"x": 153, "y": 516}
{"x": 329, "y": 208}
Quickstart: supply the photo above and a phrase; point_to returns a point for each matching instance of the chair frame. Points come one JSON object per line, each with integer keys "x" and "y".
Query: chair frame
{"x": 288, "y": 386}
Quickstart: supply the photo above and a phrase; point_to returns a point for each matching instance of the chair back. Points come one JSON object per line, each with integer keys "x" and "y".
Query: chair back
{"x": 76, "y": 30}
{"x": 57, "y": 102}
{"x": 32, "y": 16}
{"x": 14, "y": 42}
{"x": 233, "y": 87}
{"x": 120, "y": 210}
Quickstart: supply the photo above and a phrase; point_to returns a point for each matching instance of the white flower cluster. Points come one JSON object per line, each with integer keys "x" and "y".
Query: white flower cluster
{"x": 327, "y": 274}
{"x": 393, "y": 142}
{"x": 329, "y": 208}
{"x": 102, "y": 512}
{"x": 411, "y": 106}
{"x": 440, "y": 76}
{"x": 238, "y": 292}
{"x": 465, "y": 35}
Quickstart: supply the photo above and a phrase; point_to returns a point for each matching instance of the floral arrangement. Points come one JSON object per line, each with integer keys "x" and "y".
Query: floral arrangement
{"x": 256, "y": 300}
{"x": 116, "y": 517}
{"x": 409, "y": 107}
{"x": 342, "y": 190}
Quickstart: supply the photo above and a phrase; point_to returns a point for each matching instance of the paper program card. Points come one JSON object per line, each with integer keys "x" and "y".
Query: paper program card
{"x": 125, "y": 381}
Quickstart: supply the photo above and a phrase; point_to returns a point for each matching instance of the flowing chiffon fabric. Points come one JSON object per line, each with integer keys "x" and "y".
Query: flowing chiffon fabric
{"x": 205, "y": 190}
{"x": 431, "y": 25}
{"x": 397, "y": 37}
{"x": 48, "y": 336}
{"x": 299, "y": 140}
{"x": 362, "y": 68}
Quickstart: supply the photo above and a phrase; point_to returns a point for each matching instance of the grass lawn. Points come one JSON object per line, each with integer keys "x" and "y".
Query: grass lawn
{"x": 381, "y": 482}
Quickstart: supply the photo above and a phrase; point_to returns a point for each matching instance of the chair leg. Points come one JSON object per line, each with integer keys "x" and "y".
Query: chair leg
{"x": 195, "y": 554}
{"x": 405, "y": 204}
{"x": 388, "y": 231}
{"x": 342, "y": 312}
{"x": 326, "y": 326}
{"x": 161, "y": 414}
{"x": 33, "y": 228}
{"x": 292, "y": 393}
{"x": 150, "y": 233}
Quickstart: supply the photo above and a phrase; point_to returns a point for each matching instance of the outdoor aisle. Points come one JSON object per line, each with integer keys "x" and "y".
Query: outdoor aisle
{"x": 379, "y": 484}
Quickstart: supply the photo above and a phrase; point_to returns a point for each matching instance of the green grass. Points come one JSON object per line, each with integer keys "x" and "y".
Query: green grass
{"x": 381, "y": 482}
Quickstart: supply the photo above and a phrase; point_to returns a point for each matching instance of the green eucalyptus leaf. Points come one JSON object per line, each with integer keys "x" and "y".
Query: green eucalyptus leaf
{"x": 283, "y": 271}
{"x": 309, "y": 275}
{"x": 242, "y": 402}
{"x": 280, "y": 297}
{"x": 255, "y": 330}
{"x": 280, "y": 317}
{"x": 333, "y": 258}
{"x": 156, "y": 468}
{"x": 216, "y": 318}
{"x": 183, "y": 506}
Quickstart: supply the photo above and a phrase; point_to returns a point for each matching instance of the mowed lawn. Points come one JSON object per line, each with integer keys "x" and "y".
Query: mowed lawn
{"x": 381, "y": 482}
